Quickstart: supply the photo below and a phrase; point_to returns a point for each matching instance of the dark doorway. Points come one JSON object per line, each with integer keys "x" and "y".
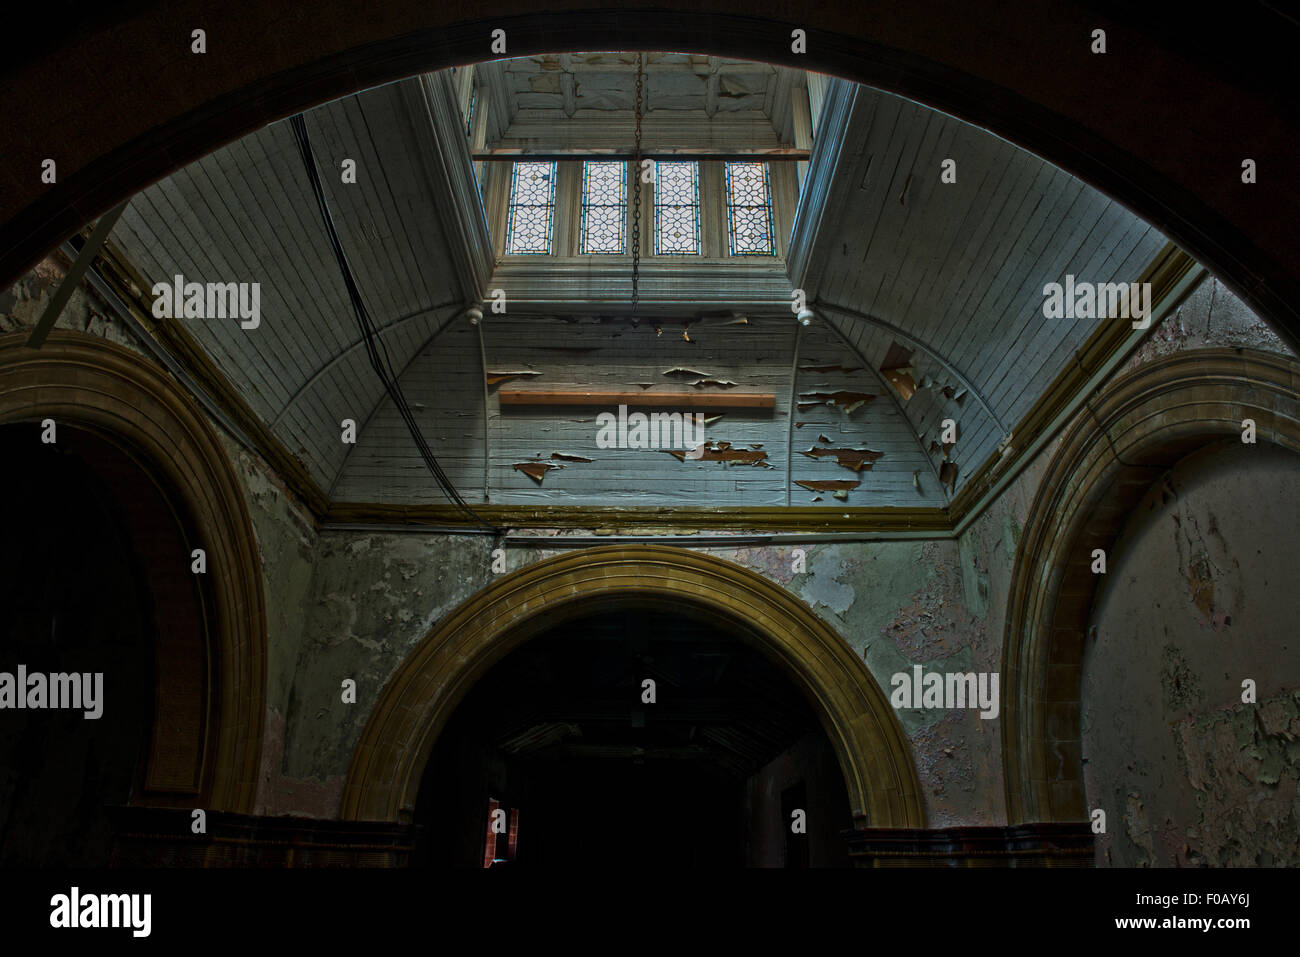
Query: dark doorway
{"x": 559, "y": 746}
{"x": 75, "y": 601}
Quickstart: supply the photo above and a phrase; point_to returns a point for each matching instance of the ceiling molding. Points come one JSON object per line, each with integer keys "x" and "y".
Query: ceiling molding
{"x": 439, "y": 132}
{"x": 598, "y": 285}
{"x": 828, "y": 147}
{"x": 678, "y": 128}
{"x": 929, "y": 522}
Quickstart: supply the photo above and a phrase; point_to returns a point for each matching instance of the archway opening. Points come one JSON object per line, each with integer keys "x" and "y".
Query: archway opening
{"x": 1139, "y": 429}
{"x": 166, "y": 468}
{"x": 419, "y": 699}
{"x": 77, "y": 639}
{"x": 633, "y": 737}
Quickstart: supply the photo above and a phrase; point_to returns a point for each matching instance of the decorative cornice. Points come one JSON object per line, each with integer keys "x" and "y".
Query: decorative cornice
{"x": 1024, "y": 845}
{"x": 162, "y": 837}
{"x": 595, "y": 286}
{"x": 934, "y": 522}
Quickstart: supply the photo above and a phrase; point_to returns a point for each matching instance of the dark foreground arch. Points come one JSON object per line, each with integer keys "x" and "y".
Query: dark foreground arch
{"x": 1162, "y": 121}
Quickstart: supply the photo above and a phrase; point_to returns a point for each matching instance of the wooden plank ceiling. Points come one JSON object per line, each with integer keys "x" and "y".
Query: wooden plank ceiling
{"x": 957, "y": 267}
{"x": 961, "y": 266}
{"x": 586, "y": 100}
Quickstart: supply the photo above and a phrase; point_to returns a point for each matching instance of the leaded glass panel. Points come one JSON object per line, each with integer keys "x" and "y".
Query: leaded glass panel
{"x": 531, "y": 219}
{"x": 749, "y": 209}
{"x": 604, "y": 207}
{"x": 677, "y": 209}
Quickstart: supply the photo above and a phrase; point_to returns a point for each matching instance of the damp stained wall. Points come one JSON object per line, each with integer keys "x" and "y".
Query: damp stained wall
{"x": 1199, "y": 596}
{"x": 374, "y": 597}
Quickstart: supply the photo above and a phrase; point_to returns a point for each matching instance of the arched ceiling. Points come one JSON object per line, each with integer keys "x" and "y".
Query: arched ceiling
{"x": 944, "y": 278}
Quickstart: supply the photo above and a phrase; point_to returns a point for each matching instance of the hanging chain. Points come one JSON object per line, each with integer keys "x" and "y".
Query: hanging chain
{"x": 636, "y": 194}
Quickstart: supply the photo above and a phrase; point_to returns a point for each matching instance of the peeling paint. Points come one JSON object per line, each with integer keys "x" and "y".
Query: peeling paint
{"x": 850, "y": 402}
{"x": 496, "y": 378}
{"x": 829, "y": 485}
{"x": 535, "y": 470}
{"x": 723, "y": 452}
{"x": 855, "y": 460}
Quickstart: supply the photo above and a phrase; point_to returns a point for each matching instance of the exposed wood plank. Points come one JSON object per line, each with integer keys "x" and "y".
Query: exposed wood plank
{"x": 658, "y": 400}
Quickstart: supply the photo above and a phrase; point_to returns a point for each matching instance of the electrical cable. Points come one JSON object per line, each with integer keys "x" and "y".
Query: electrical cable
{"x": 376, "y": 350}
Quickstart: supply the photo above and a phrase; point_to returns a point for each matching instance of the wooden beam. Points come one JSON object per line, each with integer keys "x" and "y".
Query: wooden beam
{"x": 711, "y": 94}
{"x": 680, "y": 400}
{"x": 568, "y": 88}
{"x": 501, "y": 154}
{"x": 73, "y": 277}
{"x": 801, "y": 120}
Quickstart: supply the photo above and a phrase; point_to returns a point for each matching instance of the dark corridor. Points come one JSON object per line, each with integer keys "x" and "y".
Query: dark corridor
{"x": 557, "y": 746}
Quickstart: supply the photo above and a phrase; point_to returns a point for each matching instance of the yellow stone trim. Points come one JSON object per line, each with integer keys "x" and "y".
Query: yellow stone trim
{"x": 91, "y": 383}
{"x": 418, "y": 699}
{"x": 1155, "y": 415}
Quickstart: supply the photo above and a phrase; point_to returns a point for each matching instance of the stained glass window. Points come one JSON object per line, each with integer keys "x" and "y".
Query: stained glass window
{"x": 749, "y": 209}
{"x": 677, "y": 209}
{"x": 531, "y": 220}
{"x": 604, "y": 207}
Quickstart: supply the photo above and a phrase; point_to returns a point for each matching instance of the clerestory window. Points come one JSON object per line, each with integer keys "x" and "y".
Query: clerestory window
{"x": 604, "y": 207}
{"x": 749, "y": 209}
{"x": 677, "y": 208}
{"x": 708, "y": 210}
{"x": 530, "y": 224}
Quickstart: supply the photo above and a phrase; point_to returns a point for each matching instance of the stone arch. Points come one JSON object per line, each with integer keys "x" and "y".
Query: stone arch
{"x": 1141, "y": 425}
{"x": 417, "y": 701}
{"x": 210, "y": 757}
